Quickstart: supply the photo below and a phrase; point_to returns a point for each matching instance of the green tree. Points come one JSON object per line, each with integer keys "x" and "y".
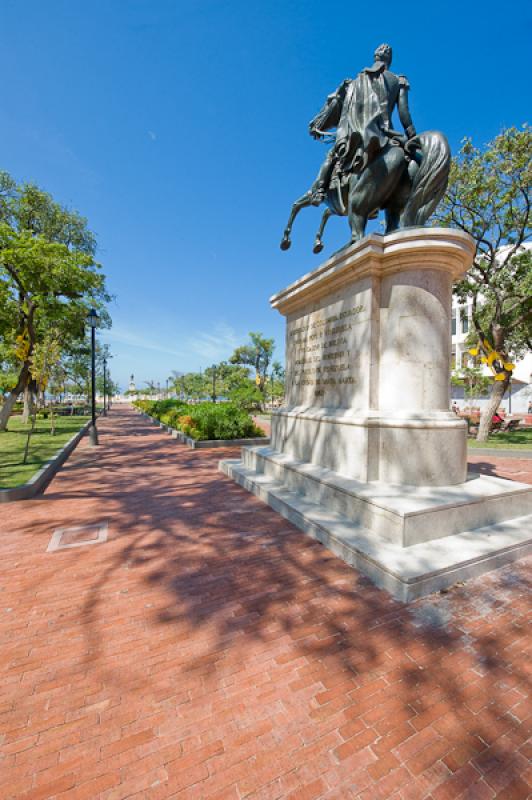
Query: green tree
{"x": 191, "y": 386}
{"x": 475, "y": 383}
{"x": 43, "y": 363}
{"x": 257, "y": 355}
{"x": 76, "y": 363}
{"x": 278, "y": 380}
{"x": 48, "y": 277}
{"x": 247, "y": 396}
{"x": 489, "y": 197}
{"x": 151, "y": 388}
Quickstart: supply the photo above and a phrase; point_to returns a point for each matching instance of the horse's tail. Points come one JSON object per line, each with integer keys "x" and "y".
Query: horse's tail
{"x": 429, "y": 181}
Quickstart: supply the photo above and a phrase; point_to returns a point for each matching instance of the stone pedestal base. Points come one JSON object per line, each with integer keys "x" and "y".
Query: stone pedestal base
{"x": 424, "y": 449}
{"x": 366, "y": 456}
{"x": 411, "y": 541}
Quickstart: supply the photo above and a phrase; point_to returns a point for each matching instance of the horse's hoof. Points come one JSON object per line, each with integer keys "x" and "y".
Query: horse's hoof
{"x": 285, "y": 244}
{"x": 318, "y": 247}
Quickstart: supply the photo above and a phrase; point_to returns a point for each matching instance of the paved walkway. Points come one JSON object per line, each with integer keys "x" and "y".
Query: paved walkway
{"x": 500, "y": 453}
{"x": 210, "y": 650}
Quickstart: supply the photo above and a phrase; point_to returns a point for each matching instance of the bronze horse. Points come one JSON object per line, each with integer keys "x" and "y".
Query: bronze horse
{"x": 406, "y": 179}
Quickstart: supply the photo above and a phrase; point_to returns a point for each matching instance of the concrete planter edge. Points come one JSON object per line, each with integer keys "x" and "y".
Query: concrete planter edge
{"x": 195, "y": 445}
{"x": 38, "y": 483}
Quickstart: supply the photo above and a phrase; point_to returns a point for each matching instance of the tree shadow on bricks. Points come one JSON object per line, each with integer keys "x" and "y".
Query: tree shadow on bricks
{"x": 250, "y": 620}
{"x": 484, "y": 468}
{"x": 259, "y": 601}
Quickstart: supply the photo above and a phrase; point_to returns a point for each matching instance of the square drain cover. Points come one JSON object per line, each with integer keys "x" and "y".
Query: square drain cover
{"x": 65, "y": 538}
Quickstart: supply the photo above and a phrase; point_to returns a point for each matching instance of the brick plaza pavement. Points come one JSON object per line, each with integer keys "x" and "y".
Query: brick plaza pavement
{"x": 210, "y": 650}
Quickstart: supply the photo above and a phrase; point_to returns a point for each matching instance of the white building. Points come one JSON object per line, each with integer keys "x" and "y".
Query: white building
{"x": 521, "y": 393}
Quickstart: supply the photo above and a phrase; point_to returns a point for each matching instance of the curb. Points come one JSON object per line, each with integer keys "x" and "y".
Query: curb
{"x": 38, "y": 483}
{"x": 194, "y": 444}
{"x": 486, "y": 451}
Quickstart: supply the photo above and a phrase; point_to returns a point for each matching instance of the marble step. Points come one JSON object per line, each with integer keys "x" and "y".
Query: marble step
{"x": 405, "y": 572}
{"x": 404, "y": 515}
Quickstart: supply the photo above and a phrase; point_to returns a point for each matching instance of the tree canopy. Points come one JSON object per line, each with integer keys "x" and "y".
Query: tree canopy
{"x": 489, "y": 197}
{"x": 49, "y": 279}
{"x": 257, "y": 354}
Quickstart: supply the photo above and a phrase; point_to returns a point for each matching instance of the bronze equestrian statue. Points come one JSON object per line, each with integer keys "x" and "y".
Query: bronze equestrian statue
{"x": 371, "y": 166}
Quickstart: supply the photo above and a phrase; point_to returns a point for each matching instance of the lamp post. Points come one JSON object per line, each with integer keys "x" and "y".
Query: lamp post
{"x": 93, "y": 319}
{"x": 104, "y": 386}
{"x": 213, "y": 395}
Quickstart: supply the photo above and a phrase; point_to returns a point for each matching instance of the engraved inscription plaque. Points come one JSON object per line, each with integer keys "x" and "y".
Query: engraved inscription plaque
{"x": 328, "y": 353}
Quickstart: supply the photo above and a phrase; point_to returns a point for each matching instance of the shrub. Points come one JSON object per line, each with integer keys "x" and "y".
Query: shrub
{"x": 222, "y": 421}
{"x": 203, "y": 421}
{"x": 248, "y": 398}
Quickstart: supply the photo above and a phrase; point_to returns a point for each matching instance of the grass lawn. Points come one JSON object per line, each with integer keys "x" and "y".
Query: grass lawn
{"x": 515, "y": 440}
{"x": 42, "y": 447}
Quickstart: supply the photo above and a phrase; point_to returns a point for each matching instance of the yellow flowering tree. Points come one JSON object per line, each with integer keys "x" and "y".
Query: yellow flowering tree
{"x": 489, "y": 197}
{"x": 49, "y": 279}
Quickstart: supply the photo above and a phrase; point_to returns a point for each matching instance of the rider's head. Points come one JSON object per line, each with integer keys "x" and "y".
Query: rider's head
{"x": 384, "y": 53}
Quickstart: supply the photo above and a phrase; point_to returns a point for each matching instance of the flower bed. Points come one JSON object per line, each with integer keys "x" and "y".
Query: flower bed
{"x": 204, "y": 421}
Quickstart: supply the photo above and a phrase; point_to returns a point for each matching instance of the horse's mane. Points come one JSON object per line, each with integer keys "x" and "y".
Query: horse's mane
{"x": 327, "y": 117}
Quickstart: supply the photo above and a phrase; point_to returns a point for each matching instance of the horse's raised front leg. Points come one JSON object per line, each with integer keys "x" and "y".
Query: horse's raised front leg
{"x": 303, "y": 202}
{"x": 318, "y": 244}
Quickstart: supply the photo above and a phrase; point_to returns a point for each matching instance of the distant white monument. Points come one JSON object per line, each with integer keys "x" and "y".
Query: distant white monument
{"x": 132, "y": 387}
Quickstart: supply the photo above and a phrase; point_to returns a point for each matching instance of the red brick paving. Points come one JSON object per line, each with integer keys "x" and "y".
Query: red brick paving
{"x": 516, "y": 469}
{"x": 210, "y": 650}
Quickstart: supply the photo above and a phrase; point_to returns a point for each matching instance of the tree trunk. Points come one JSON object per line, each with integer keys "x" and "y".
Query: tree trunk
{"x": 29, "y": 401}
{"x": 497, "y": 393}
{"x": 27, "y": 405}
{"x": 28, "y": 437}
{"x": 9, "y": 401}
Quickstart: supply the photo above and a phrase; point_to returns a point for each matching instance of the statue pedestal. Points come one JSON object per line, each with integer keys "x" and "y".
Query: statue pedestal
{"x": 365, "y": 454}
{"x": 368, "y": 353}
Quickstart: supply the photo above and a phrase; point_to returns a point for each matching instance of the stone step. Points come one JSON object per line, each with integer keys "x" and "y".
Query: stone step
{"x": 403, "y": 515}
{"x": 405, "y": 572}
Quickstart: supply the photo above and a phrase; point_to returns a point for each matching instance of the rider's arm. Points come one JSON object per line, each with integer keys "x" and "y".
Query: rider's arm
{"x": 402, "y": 107}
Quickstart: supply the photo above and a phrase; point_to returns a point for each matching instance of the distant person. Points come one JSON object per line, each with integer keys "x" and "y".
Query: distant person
{"x": 496, "y": 418}
{"x": 529, "y": 407}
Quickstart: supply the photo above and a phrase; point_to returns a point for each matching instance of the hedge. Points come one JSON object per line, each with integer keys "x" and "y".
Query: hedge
{"x": 203, "y": 421}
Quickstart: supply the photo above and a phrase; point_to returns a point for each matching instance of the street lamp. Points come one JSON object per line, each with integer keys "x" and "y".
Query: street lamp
{"x": 93, "y": 319}
{"x": 104, "y": 386}
{"x": 213, "y": 383}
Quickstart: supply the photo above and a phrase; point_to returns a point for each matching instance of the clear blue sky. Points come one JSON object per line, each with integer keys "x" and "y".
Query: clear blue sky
{"x": 179, "y": 129}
